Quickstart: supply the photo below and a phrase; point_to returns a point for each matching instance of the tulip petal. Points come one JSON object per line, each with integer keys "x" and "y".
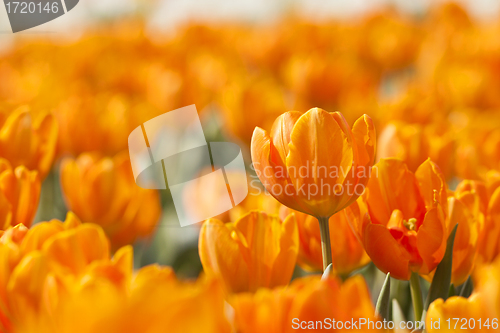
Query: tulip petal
{"x": 272, "y": 173}
{"x": 221, "y": 257}
{"x": 392, "y": 186}
{"x": 430, "y": 179}
{"x": 431, "y": 240}
{"x": 385, "y": 251}
{"x": 284, "y": 263}
{"x": 281, "y": 132}
{"x": 318, "y": 146}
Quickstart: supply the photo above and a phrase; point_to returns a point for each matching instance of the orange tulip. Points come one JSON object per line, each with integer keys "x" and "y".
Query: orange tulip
{"x": 489, "y": 239}
{"x": 347, "y": 252}
{"x": 406, "y": 229}
{"x": 247, "y": 103}
{"x": 308, "y": 303}
{"x": 478, "y": 313}
{"x": 442, "y": 316}
{"x": 256, "y": 251}
{"x": 151, "y": 300}
{"x": 28, "y": 140}
{"x": 52, "y": 275}
{"x": 414, "y": 143}
{"x": 483, "y": 200}
{"x": 19, "y": 195}
{"x": 28, "y": 257}
{"x": 465, "y": 210}
{"x": 103, "y": 191}
{"x": 313, "y": 162}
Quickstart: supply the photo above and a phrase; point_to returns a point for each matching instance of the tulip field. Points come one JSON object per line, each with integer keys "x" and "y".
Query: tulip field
{"x": 372, "y": 154}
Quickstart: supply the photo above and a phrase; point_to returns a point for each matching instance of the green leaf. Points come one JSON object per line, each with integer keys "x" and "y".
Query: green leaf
{"x": 440, "y": 285}
{"x": 382, "y": 308}
{"x": 452, "y": 292}
{"x": 467, "y": 287}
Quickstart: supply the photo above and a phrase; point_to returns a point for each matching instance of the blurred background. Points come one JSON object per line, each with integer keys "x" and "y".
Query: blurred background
{"x": 427, "y": 72}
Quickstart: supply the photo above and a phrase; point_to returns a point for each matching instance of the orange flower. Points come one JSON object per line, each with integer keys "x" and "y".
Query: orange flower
{"x": 52, "y": 275}
{"x": 489, "y": 238}
{"x": 389, "y": 40}
{"x": 256, "y": 251}
{"x": 414, "y": 143}
{"x": 313, "y": 162}
{"x": 465, "y": 210}
{"x": 28, "y": 140}
{"x": 441, "y": 316}
{"x": 347, "y": 252}
{"x": 406, "y": 229}
{"x": 247, "y": 103}
{"x": 19, "y": 195}
{"x": 478, "y": 313}
{"x": 151, "y": 300}
{"x": 307, "y": 303}
{"x": 28, "y": 257}
{"x": 103, "y": 191}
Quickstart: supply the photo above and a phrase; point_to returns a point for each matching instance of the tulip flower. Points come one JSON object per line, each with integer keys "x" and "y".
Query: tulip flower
{"x": 258, "y": 250}
{"x": 30, "y": 256}
{"x": 308, "y": 303}
{"x": 478, "y": 313}
{"x": 414, "y": 143}
{"x": 314, "y": 163}
{"x": 247, "y": 103}
{"x": 482, "y": 200}
{"x": 347, "y": 252}
{"x": 52, "y": 274}
{"x": 19, "y": 195}
{"x": 29, "y": 140}
{"x": 489, "y": 239}
{"x": 151, "y": 300}
{"x": 406, "y": 228}
{"x": 389, "y": 40}
{"x": 443, "y": 316}
{"x": 103, "y": 191}
{"x": 464, "y": 211}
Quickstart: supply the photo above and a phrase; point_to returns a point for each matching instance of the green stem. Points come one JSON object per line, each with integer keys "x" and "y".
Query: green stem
{"x": 416, "y": 296}
{"x": 326, "y": 247}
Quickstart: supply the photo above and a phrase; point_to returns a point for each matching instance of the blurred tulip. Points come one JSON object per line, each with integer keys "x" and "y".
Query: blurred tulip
{"x": 389, "y": 40}
{"x": 19, "y": 195}
{"x": 52, "y": 275}
{"x": 414, "y": 143}
{"x": 465, "y": 210}
{"x": 247, "y": 103}
{"x": 489, "y": 248}
{"x": 152, "y": 300}
{"x": 407, "y": 142}
{"x": 258, "y": 250}
{"x": 347, "y": 252}
{"x": 483, "y": 200}
{"x": 406, "y": 229}
{"x": 331, "y": 80}
{"x": 103, "y": 191}
{"x": 449, "y": 315}
{"x": 307, "y": 303}
{"x": 29, "y": 140}
{"x": 30, "y": 256}
{"x": 478, "y": 313}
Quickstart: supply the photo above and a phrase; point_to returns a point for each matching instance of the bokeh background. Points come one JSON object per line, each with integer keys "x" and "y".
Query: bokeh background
{"x": 427, "y": 72}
